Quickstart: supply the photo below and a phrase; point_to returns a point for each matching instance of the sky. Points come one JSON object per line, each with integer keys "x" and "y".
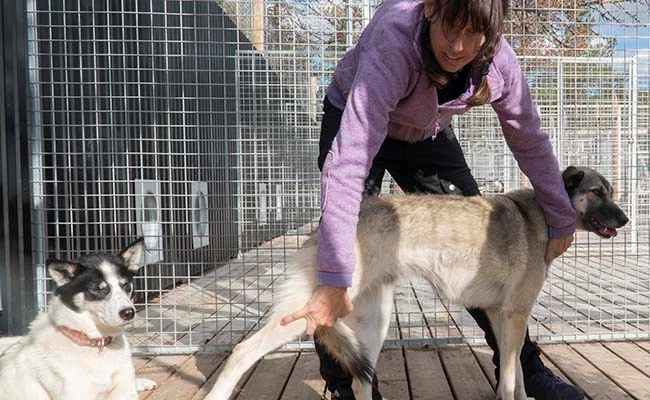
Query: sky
{"x": 632, "y": 30}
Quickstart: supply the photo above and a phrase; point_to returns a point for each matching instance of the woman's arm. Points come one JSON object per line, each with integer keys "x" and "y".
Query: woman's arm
{"x": 385, "y": 67}
{"x": 531, "y": 146}
{"x": 533, "y": 151}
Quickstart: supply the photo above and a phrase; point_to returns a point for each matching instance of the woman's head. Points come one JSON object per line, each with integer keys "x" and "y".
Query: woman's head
{"x": 462, "y": 31}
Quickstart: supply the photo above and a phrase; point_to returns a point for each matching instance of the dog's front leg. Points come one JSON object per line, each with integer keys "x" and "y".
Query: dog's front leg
{"x": 144, "y": 384}
{"x": 119, "y": 394}
{"x": 77, "y": 390}
{"x": 510, "y": 330}
{"x": 124, "y": 385}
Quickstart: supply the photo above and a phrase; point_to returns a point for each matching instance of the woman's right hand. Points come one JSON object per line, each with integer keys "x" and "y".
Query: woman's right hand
{"x": 326, "y": 305}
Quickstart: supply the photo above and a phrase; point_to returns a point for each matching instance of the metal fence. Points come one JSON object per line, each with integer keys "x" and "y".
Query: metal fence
{"x": 195, "y": 124}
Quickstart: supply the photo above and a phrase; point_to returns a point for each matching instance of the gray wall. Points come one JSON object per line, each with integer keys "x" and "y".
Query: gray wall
{"x": 16, "y": 264}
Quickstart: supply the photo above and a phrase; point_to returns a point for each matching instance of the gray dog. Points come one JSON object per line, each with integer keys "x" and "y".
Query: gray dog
{"x": 485, "y": 252}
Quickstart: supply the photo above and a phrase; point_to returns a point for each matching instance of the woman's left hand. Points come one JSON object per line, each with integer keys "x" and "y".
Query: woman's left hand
{"x": 556, "y": 247}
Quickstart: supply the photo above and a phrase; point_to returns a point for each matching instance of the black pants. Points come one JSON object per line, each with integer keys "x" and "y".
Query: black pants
{"x": 432, "y": 166}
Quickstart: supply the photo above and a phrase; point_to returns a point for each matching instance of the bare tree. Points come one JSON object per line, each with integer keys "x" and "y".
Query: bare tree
{"x": 557, "y": 28}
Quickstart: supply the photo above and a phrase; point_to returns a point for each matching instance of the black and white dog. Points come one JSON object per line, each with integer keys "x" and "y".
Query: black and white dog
{"x": 77, "y": 350}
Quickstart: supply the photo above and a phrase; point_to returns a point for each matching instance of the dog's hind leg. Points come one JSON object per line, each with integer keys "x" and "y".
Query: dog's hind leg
{"x": 510, "y": 330}
{"x": 290, "y": 295}
{"x": 245, "y": 354}
{"x": 370, "y": 319}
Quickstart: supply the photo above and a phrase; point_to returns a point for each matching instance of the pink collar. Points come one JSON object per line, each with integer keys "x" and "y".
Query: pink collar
{"x": 82, "y": 339}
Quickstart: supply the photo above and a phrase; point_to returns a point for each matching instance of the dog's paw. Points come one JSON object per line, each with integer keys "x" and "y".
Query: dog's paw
{"x": 144, "y": 384}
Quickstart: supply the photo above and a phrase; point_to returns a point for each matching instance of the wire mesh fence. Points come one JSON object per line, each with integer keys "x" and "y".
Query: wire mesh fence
{"x": 195, "y": 124}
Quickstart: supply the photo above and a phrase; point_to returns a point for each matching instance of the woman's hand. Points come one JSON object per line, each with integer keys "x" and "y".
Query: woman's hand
{"x": 556, "y": 247}
{"x": 326, "y": 305}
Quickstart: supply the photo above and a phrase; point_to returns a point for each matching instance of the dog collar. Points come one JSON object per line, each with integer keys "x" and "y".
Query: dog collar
{"x": 82, "y": 339}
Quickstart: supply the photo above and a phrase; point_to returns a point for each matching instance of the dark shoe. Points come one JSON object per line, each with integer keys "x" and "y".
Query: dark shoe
{"x": 544, "y": 385}
{"x": 344, "y": 392}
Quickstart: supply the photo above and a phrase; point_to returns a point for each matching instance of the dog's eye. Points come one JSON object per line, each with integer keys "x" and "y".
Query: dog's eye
{"x": 597, "y": 192}
{"x": 127, "y": 287}
{"x": 100, "y": 291}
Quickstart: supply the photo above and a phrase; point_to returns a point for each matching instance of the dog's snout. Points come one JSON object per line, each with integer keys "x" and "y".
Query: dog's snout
{"x": 619, "y": 216}
{"x": 127, "y": 314}
{"x": 623, "y": 219}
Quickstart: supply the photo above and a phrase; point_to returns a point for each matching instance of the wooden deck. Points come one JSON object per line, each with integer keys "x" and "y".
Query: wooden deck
{"x": 596, "y": 293}
{"x": 604, "y": 370}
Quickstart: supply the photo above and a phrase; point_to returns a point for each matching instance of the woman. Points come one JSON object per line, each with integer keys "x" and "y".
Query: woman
{"x": 389, "y": 107}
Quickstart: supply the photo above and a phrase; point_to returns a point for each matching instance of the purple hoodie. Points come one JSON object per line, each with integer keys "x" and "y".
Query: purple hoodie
{"x": 381, "y": 85}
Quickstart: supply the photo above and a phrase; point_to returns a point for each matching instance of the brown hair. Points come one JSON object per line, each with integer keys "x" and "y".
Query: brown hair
{"x": 484, "y": 16}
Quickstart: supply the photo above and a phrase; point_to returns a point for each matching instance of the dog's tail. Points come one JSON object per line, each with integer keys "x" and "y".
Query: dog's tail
{"x": 294, "y": 292}
{"x": 341, "y": 343}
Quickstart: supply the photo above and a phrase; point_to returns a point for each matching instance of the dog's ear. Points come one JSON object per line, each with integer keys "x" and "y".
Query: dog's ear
{"x": 62, "y": 272}
{"x": 572, "y": 177}
{"x": 133, "y": 255}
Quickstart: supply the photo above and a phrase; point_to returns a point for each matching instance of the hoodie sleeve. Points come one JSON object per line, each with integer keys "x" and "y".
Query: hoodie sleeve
{"x": 383, "y": 73}
{"x": 531, "y": 146}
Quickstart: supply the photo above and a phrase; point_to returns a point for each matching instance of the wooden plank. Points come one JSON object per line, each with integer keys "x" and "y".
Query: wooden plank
{"x": 426, "y": 375}
{"x": 305, "y": 382}
{"x": 188, "y": 378}
{"x": 467, "y": 380}
{"x": 583, "y": 373}
{"x": 483, "y": 355}
{"x": 555, "y": 369}
{"x": 392, "y": 375}
{"x": 625, "y": 375}
{"x": 140, "y": 360}
{"x": 207, "y": 386}
{"x": 644, "y": 344}
{"x": 269, "y": 378}
{"x": 242, "y": 381}
{"x": 160, "y": 369}
{"x": 609, "y": 370}
{"x": 632, "y": 354}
